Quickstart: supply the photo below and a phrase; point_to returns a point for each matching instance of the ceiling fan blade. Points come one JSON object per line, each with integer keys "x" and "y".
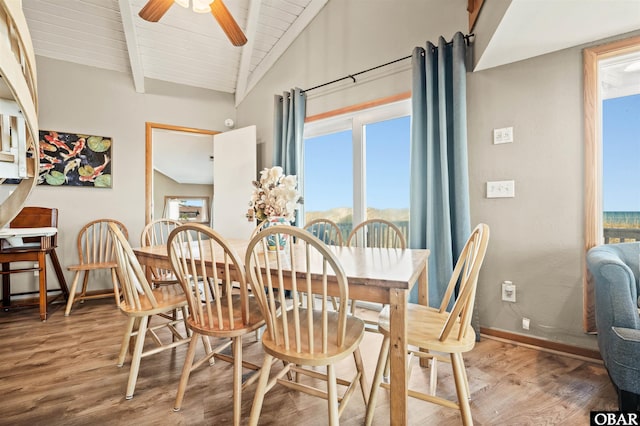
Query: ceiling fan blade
{"x": 227, "y": 23}
{"x": 155, "y": 9}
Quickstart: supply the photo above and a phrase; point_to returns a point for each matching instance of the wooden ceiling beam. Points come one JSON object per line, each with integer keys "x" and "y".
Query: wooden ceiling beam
{"x": 247, "y": 51}
{"x": 137, "y": 71}
{"x": 473, "y": 7}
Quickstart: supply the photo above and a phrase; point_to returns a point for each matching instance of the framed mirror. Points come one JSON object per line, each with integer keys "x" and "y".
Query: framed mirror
{"x": 186, "y": 209}
{"x": 178, "y": 165}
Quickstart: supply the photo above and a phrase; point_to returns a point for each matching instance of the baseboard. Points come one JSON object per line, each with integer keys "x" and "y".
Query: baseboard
{"x": 541, "y": 344}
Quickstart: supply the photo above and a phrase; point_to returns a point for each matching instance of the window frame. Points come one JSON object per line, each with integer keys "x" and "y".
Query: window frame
{"x": 593, "y": 159}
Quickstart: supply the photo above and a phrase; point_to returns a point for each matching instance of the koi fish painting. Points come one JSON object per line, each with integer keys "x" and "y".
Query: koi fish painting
{"x": 69, "y": 159}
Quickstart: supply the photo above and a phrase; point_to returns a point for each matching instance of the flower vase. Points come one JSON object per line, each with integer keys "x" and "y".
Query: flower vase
{"x": 276, "y": 242}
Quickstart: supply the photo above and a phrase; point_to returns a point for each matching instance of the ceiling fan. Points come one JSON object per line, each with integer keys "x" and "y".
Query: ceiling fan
{"x": 155, "y": 9}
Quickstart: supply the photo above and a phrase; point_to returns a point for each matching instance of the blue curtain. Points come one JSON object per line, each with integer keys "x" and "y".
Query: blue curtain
{"x": 290, "y": 109}
{"x": 439, "y": 189}
{"x": 288, "y": 126}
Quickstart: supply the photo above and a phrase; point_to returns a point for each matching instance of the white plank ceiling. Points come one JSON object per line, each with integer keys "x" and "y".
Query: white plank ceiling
{"x": 183, "y": 47}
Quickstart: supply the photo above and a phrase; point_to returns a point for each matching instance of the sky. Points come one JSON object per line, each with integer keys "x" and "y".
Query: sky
{"x": 328, "y": 167}
{"x": 621, "y": 154}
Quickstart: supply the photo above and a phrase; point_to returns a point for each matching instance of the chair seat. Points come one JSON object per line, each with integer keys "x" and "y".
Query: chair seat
{"x": 353, "y": 336}
{"x": 92, "y": 266}
{"x": 256, "y": 319}
{"x": 425, "y": 326}
{"x": 168, "y": 298}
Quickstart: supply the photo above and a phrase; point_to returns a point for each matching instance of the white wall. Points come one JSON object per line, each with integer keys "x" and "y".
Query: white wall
{"x": 78, "y": 99}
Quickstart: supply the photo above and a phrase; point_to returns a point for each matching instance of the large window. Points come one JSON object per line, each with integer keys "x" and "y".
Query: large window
{"x": 621, "y": 168}
{"x": 356, "y": 167}
{"x": 597, "y": 81}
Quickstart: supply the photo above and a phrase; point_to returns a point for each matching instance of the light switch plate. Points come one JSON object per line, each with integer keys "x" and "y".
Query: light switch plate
{"x": 501, "y": 189}
{"x": 503, "y": 135}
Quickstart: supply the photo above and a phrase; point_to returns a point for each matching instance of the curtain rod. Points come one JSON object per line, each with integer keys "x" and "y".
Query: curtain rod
{"x": 353, "y": 76}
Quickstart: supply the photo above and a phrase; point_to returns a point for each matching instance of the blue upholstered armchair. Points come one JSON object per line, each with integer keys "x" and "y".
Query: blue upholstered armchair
{"x": 615, "y": 270}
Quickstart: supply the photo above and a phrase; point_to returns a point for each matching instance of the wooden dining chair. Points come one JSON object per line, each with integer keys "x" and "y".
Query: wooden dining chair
{"x": 140, "y": 303}
{"x": 303, "y": 335}
{"x": 375, "y": 233}
{"x": 436, "y": 330}
{"x": 95, "y": 253}
{"x": 156, "y": 233}
{"x": 326, "y": 231}
{"x": 329, "y": 233}
{"x": 216, "y": 308}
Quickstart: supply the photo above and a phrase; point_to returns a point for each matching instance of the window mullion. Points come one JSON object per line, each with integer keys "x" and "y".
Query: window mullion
{"x": 359, "y": 171}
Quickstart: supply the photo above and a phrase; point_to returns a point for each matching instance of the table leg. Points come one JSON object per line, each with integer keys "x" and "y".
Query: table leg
{"x": 423, "y": 286}
{"x": 423, "y": 299}
{"x": 398, "y": 356}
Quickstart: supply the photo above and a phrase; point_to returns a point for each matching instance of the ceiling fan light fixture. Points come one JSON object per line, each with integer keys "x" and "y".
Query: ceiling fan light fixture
{"x": 153, "y": 10}
{"x": 201, "y": 6}
{"x": 227, "y": 23}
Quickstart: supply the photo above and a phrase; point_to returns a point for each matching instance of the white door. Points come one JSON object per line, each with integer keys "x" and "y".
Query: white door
{"x": 234, "y": 170}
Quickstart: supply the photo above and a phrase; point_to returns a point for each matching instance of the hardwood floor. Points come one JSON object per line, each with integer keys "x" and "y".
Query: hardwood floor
{"x": 63, "y": 372}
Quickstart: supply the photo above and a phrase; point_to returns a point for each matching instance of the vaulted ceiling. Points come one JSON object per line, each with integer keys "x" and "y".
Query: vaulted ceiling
{"x": 184, "y": 47}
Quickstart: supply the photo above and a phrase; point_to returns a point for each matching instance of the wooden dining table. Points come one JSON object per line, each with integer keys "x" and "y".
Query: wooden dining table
{"x": 377, "y": 275}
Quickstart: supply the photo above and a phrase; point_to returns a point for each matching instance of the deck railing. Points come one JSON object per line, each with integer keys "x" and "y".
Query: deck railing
{"x": 621, "y": 235}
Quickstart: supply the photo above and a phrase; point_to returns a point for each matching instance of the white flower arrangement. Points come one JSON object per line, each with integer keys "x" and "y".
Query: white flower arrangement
{"x": 275, "y": 194}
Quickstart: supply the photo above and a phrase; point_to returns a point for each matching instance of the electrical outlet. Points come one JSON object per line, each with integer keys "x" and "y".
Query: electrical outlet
{"x": 525, "y": 323}
{"x": 508, "y": 291}
{"x": 36, "y": 272}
